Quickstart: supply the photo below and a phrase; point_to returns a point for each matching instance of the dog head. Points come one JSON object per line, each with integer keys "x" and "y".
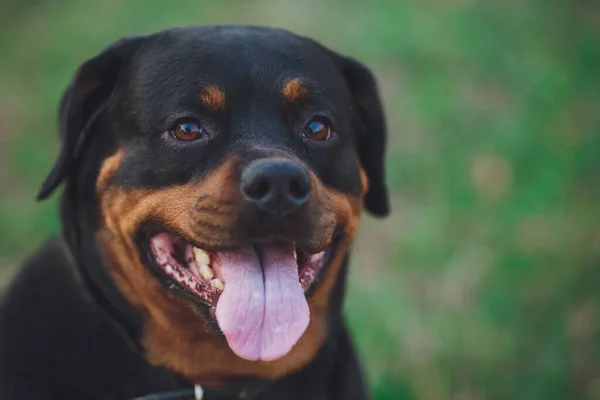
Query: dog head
{"x": 221, "y": 173}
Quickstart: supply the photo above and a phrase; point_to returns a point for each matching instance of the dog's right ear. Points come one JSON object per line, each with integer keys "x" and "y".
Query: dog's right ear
{"x": 84, "y": 100}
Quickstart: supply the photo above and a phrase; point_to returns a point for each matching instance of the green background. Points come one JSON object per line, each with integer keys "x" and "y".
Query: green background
{"x": 484, "y": 283}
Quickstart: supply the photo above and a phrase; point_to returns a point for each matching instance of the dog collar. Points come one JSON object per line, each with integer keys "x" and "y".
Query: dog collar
{"x": 199, "y": 393}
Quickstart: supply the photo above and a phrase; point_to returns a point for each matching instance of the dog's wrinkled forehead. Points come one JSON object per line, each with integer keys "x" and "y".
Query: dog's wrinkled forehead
{"x": 245, "y": 68}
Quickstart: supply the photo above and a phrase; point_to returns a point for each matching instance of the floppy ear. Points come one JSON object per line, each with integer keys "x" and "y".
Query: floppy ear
{"x": 84, "y": 100}
{"x": 372, "y": 138}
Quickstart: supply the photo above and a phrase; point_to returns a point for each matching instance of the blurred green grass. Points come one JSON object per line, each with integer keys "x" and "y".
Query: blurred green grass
{"x": 483, "y": 284}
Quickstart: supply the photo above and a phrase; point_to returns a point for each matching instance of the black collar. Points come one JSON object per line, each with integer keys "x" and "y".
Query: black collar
{"x": 200, "y": 393}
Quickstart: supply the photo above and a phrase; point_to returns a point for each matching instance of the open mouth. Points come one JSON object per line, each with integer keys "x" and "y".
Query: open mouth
{"x": 257, "y": 293}
{"x": 199, "y": 271}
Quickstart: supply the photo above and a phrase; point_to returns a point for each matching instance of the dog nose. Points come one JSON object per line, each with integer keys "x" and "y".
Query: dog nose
{"x": 277, "y": 187}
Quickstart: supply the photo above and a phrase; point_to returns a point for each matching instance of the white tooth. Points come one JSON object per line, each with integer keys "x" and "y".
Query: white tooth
{"x": 201, "y": 257}
{"x": 206, "y": 272}
{"x": 169, "y": 268}
{"x": 217, "y": 283}
{"x": 295, "y": 255}
{"x": 317, "y": 257}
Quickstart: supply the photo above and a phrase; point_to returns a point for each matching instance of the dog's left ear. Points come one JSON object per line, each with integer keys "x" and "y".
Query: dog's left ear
{"x": 373, "y": 135}
{"x": 84, "y": 100}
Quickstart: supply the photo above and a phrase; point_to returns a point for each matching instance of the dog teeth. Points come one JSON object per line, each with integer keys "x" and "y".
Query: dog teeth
{"x": 206, "y": 272}
{"x": 317, "y": 257}
{"x": 201, "y": 257}
{"x": 217, "y": 284}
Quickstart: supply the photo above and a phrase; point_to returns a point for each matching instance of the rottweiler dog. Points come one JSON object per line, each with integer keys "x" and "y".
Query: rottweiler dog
{"x": 214, "y": 178}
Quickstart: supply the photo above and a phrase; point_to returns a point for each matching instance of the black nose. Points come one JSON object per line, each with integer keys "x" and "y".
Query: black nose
{"x": 277, "y": 187}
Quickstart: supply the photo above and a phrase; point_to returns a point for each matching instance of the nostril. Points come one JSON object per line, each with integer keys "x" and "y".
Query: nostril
{"x": 297, "y": 189}
{"x": 258, "y": 189}
{"x": 262, "y": 188}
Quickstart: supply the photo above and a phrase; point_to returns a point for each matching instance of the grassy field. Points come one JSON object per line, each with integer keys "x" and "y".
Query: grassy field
{"x": 485, "y": 281}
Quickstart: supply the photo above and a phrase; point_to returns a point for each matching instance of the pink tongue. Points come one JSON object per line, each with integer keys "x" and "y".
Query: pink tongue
{"x": 261, "y": 315}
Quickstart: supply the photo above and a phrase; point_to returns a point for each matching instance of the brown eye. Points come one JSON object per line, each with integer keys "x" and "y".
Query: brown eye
{"x": 317, "y": 131}
{"x": 187, "y": 131}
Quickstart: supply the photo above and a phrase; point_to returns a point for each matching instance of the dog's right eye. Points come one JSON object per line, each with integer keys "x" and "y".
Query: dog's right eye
{"x": 187, "y": 131}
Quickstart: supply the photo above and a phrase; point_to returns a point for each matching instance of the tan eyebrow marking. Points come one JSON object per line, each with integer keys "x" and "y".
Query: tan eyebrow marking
{"x": 213, "y": 97}
{"x": 294, "y": 90}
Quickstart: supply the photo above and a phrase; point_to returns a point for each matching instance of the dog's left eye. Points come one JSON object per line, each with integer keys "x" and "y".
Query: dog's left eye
{"x": 187, "y": 131}
{"x": 317, "y": 130}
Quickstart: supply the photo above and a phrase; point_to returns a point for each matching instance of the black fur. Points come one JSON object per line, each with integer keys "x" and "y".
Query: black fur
{"x": 65, "y": 330}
